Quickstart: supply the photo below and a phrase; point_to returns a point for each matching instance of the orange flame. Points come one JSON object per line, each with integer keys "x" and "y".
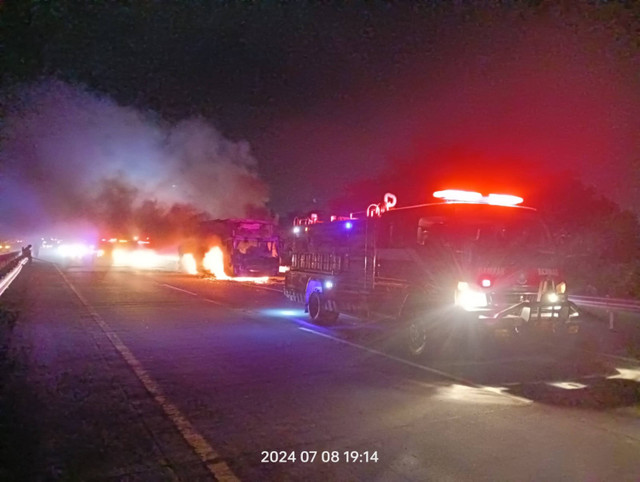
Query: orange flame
{"x": 214, "y": 262}
{"x": 189, "y": 264}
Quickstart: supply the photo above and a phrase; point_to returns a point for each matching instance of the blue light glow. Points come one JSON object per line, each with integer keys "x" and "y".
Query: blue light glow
{"x": 328, "y": 284}
{"x": 283, "y": 312}
{"x": 348, "y": 225}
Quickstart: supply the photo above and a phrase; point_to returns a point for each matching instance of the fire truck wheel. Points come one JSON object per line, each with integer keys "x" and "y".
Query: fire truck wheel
{"x": 317, "y": 313}
{"x": 417, "y": 337}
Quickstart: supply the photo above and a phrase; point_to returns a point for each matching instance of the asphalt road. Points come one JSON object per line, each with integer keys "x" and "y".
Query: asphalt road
{"x": 123, "y": 375}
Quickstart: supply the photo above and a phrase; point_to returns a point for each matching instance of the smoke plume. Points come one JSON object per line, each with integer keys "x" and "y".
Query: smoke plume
{"x": 76, "y": 161}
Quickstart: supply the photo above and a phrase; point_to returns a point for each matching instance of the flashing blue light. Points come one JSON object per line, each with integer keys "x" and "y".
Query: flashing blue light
{"x": 328, "y": 284}
{"x": 348, "y": 225}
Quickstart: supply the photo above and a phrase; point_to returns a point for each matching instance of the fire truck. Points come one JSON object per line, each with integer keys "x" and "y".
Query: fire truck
{"x": 249, "y": 247}
{"x": 464, "y": 261}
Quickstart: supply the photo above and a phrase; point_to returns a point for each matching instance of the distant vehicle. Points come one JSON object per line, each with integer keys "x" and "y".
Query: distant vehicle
{"x": 480, "y": 261}
{"x": 129, "y": 251}
{"x": 233, "y": 247}
{"x": 11, "y": 245}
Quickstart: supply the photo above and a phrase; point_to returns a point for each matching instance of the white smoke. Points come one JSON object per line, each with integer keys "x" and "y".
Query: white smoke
{"x": 72, "y": 156}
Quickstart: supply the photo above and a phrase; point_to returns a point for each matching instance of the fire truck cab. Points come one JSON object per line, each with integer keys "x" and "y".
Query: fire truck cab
{"x": 482, "y": 262}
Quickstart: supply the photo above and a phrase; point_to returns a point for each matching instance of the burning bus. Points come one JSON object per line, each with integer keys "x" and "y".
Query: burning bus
{"x": 467, "y": 260}
{"x": 232, "y": 248}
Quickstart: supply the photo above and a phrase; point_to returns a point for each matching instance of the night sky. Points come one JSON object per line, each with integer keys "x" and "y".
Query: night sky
{"x": 320, "y": 96}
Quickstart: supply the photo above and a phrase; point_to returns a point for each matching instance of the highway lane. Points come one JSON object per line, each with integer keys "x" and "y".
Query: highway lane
{"x": 222, "y": 372}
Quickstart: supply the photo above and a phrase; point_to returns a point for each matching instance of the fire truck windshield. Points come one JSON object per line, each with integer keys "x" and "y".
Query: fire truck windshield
{"x": 485, "y": 229}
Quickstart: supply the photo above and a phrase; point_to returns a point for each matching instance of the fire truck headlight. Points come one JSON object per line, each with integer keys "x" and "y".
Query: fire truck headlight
{"x": 561, "y": 288}
{"x": 328, "y": 285}
{"x": 296, "y": 230}
{"x": 469, "y": 298}
{"x": 552, "y": 297}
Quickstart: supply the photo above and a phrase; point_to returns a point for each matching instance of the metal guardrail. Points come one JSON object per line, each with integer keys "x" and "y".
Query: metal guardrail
{"x": 610, "y": 304}
{"x": 10, "y": 266}
{"x": 7, "y": 257}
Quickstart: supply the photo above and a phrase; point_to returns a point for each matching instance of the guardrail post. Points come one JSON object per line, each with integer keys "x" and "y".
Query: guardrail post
{"x": 611, "y": 321}
{"x": 612, "y": 316}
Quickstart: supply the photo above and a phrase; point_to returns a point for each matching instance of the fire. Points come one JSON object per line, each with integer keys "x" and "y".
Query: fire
{"x": 189, "y": 264}
{"x": 139, "y": 258}
{"x": 214, "y": 262}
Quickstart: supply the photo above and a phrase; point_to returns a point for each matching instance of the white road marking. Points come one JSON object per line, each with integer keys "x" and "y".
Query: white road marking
{"x": 179, "y": 289}
{"x": 267, "y": 288}
{"x": 425, "y": 368}
{"x": 407, "y": 362}
{"x": 443, "y": 374}
{"x": 212, "y": 460}
{"x": 526, "y": 359}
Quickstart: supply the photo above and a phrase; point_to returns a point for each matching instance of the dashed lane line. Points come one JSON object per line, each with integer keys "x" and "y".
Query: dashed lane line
{"x": 179, "y": 289}
{"x": 440, "y": 373}
{"x": 267, "y": 288}
{"x": 211, "y": 459}
{"x": 208, "y": 300}
{"x": 219, "y": 303}
{"x": 423, "y": 367}
{"x": 448, "y": 376}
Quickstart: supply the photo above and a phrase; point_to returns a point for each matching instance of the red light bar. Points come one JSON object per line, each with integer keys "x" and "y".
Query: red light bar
{"x": 455, "y": 195}
{"x": 504, "y": 199}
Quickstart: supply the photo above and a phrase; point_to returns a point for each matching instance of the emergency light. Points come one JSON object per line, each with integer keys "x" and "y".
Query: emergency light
{"x": 389, "y": 201}
{"x": 455, "y": 195}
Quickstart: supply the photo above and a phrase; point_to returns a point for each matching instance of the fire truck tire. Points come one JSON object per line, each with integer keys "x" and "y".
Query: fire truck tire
{"x": 317, "y": 313}
{"x": 415, "y": 333}
{"x": 416, "y": 337}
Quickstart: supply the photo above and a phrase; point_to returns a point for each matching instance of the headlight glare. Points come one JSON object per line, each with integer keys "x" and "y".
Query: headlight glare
{"x": 469, "y": 297}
